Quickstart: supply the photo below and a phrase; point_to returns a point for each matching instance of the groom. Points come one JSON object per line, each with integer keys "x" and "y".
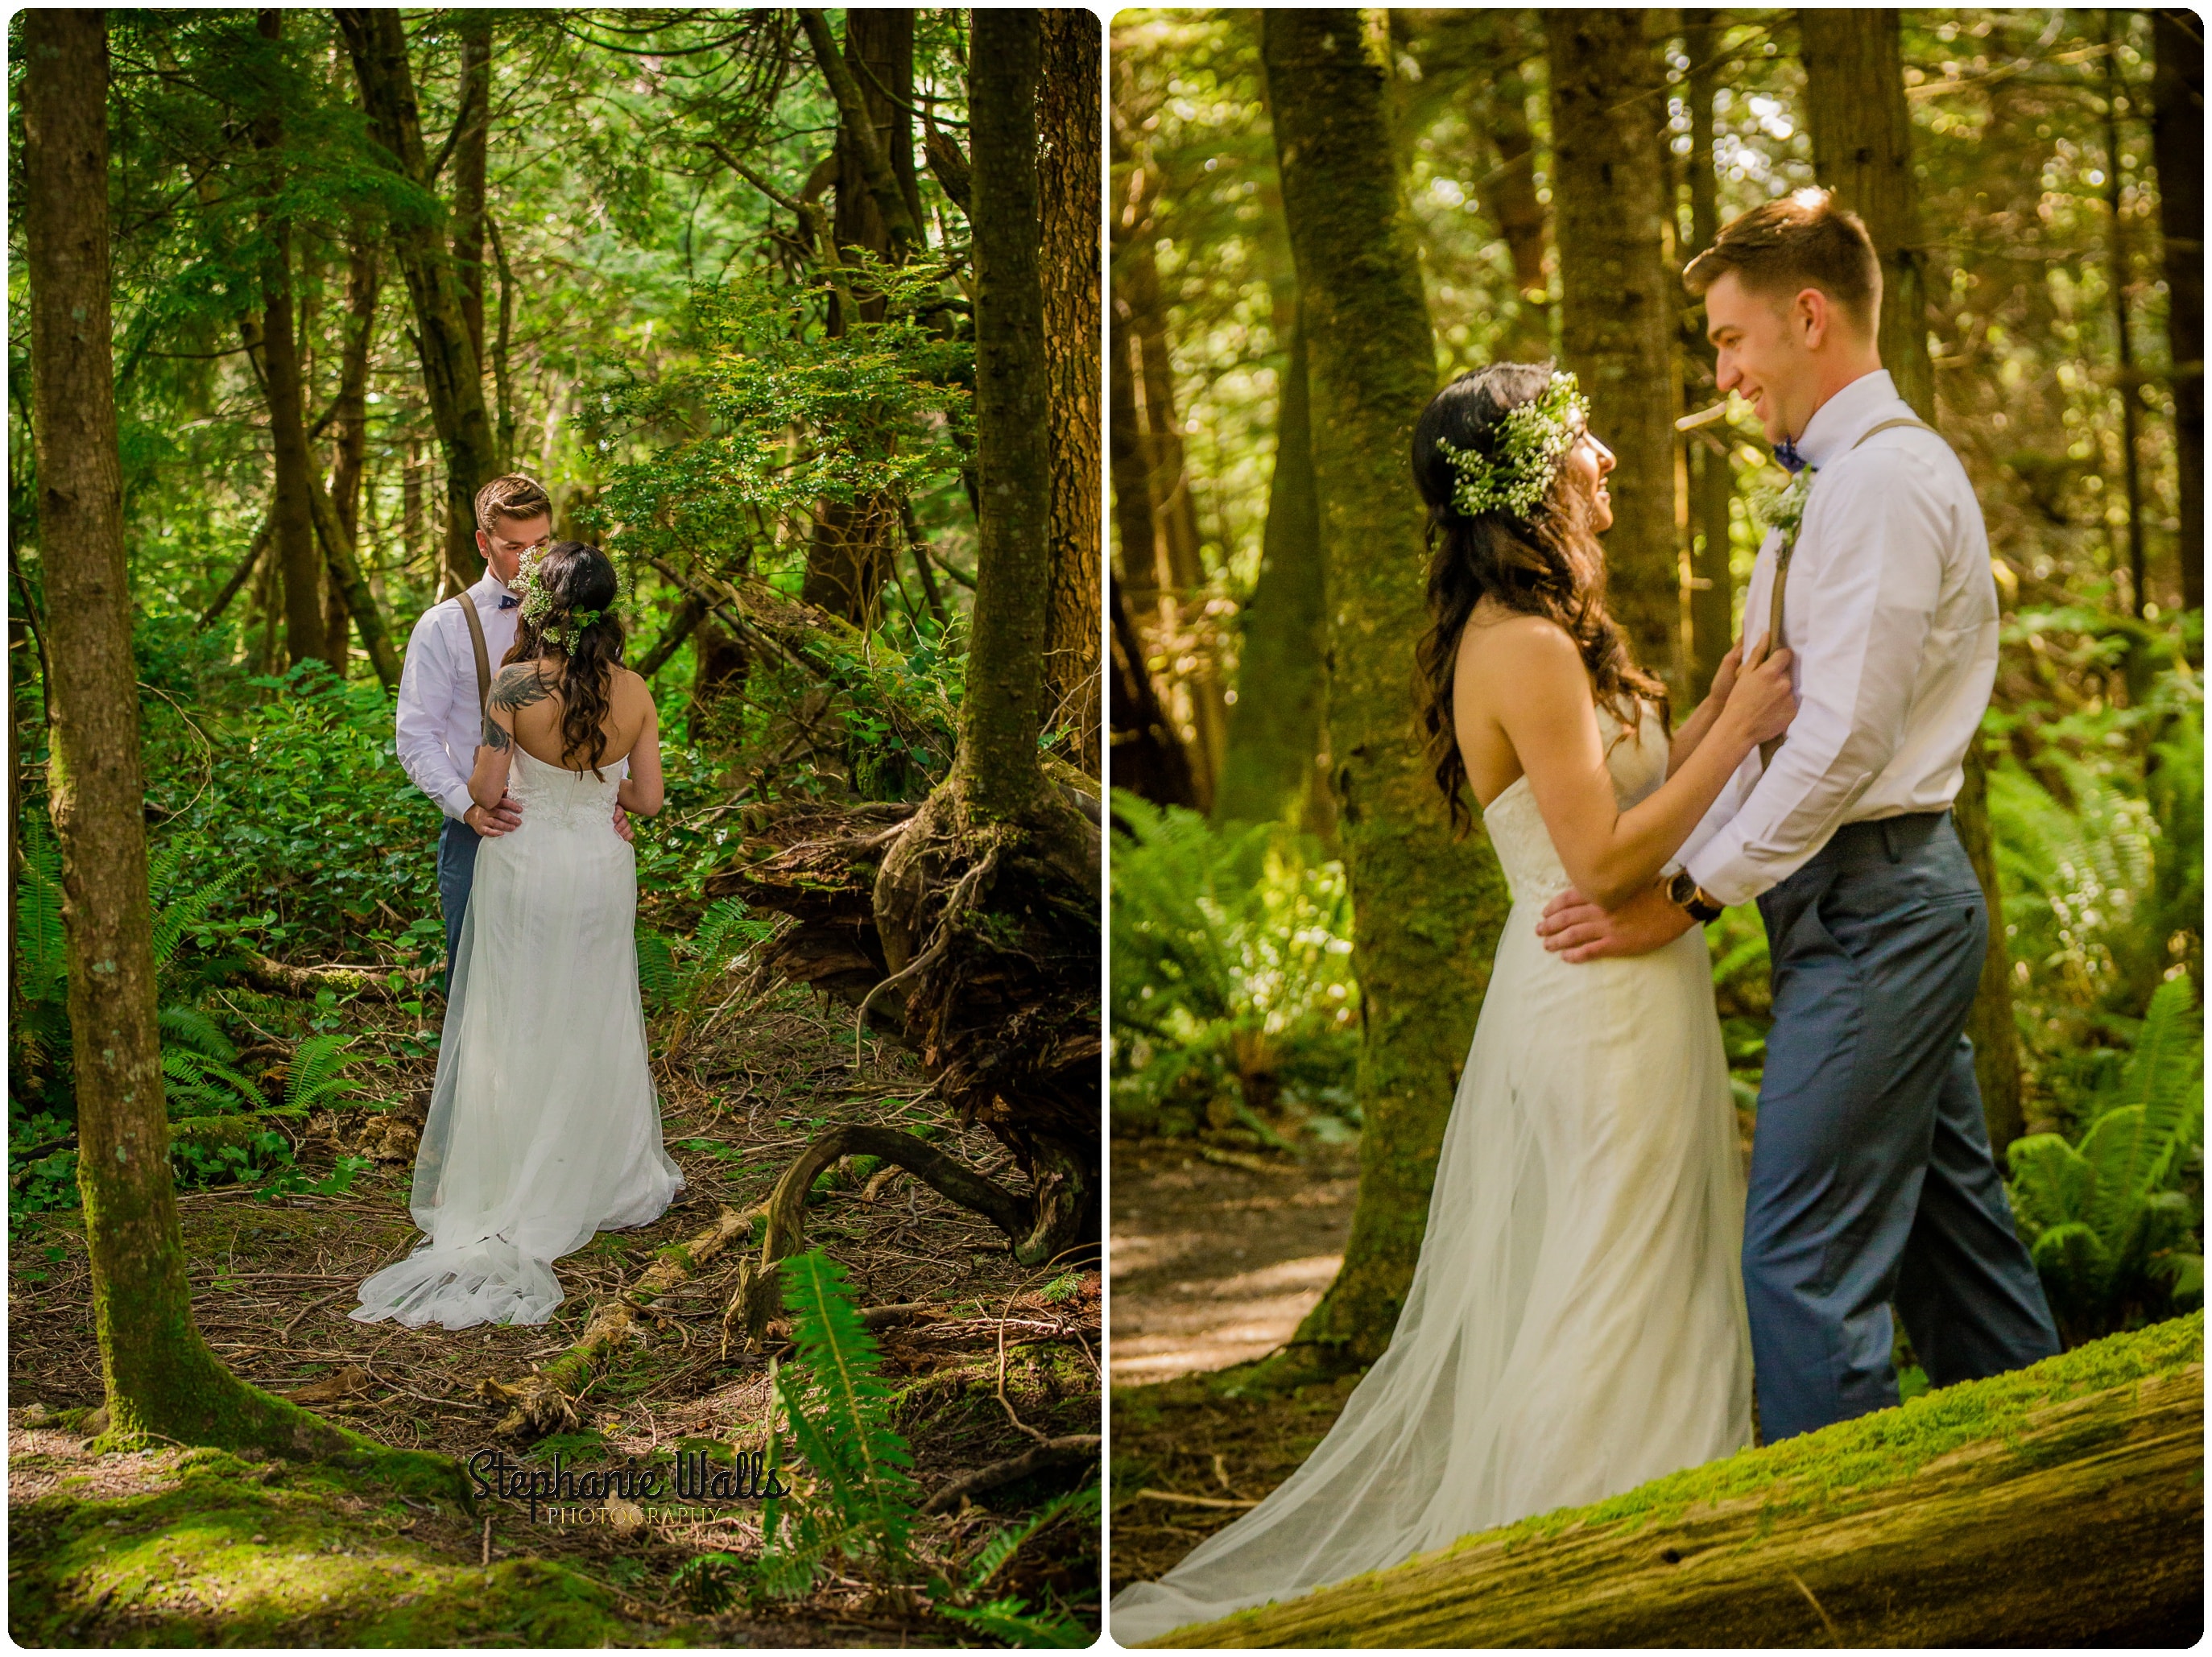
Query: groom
{"x": 1871, "y": 1176}
{"x": 443, "y": 685}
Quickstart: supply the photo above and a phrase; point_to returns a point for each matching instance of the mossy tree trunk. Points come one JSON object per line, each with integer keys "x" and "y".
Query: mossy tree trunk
{"x": 1067, "y": 113}
{"x": 1274, "y": 728}
{"x": 158, "y": 1374}
{"x": 1425, "y": 912}
{"x": 1618, "y": 300}
{"x": 1712, "y": 480}
{"x": 1863, "y": 150}
{"x": 2178, "y": 147}
{"x": 471, "y": 154}
{"x": 349, "y": 419}
{"x": 453, "y": 377}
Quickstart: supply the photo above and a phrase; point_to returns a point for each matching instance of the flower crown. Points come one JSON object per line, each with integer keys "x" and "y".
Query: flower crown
{"x": 1531, "y": 439}
{"x": 538, "y": 601}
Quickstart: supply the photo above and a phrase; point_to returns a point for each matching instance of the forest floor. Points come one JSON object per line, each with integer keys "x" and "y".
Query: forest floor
{"x": 1214, "y": 1264}
{"x": 273, "y": 1281}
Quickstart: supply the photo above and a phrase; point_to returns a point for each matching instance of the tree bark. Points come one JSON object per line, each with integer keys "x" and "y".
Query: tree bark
{"x": 1425, "y": 913}
{"x": 1861, "y": 142}
{"x": 1712, "y": 480}
{"x": 288, "y": 431}
{"x": 1274, "y": 728}
{"x": 1148, "y": 757}
{"x": 857, "y": 123}
{"x": 1958, "y": 1521}
{"x": 1862, "y": 151}
{"x": 1068, "y": 180}
{"x": 451, "y": 378}
{"x": 1620, "y": 301}
{"x": 2178, "y": 147}
{"x": 159, "y": 1375}
{"x": 349, "y": 418}
{"x": 471, "y": 153}
{"x": 1001, "y": 712}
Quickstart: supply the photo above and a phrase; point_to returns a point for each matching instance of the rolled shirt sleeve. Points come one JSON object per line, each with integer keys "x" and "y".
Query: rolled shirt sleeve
{"x": 426, "y": 689}
{"x": 1863, "y": 589}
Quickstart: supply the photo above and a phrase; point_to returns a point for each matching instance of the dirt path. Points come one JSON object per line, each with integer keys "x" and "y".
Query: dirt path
{"x": 1216, "y": 1264}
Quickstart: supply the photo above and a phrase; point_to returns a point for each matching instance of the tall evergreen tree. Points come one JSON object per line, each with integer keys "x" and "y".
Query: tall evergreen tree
{"x": 1862, "y": 145}
{"x": 1425, "y": 912}
{"x": 1619, "y": 300}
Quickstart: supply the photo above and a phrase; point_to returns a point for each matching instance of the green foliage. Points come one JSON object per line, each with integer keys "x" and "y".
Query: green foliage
{"x": 1232, "y": 996}
{"x": 2109, "y": 1219}
{"x": 860, "y": 1505}
{"x": 1007, "y": 1618}
{"x": 676, "y": 975}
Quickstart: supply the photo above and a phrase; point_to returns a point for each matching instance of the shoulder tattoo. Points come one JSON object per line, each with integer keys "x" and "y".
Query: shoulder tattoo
{"x": 517, "y": 685}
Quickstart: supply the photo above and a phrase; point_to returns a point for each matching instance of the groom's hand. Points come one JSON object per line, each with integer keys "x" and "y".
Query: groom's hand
{"x": 503, "y": 818}
{"x": 1578, "y": 929}
{"x": 622, "y": 824}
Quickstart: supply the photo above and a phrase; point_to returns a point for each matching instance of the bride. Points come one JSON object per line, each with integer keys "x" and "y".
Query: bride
{"x": 1575, "y": 1324}
{"x": 544, "y": 1126}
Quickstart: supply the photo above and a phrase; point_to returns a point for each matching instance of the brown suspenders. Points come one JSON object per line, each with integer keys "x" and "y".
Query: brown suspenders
{"x": 1775, "y": 640}
{"x": 483, "y": 656}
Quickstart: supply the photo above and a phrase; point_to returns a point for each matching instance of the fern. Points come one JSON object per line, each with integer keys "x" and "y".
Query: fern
{"x": 316, "y": 1072}
{"x": 1011, "y": 1621}
{"x": 41, "y": 944}
{"x": 2109, "y": 1227}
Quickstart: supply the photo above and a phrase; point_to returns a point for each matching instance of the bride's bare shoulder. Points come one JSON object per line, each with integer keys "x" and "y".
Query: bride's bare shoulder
{"x": 1512, "y": 644}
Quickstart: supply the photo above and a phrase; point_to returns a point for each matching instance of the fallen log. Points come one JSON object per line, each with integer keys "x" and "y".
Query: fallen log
{"x": 545, "y": 1400}
{"x": 2058, "y": 1505}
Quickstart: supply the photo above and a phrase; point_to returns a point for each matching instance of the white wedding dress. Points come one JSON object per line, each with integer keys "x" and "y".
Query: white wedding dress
{"x": 544, "y": 1127}
{"x": 1576, "y": 1325}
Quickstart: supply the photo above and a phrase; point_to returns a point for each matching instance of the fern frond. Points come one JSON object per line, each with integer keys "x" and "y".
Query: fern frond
{"x": 993, "y": 1556}
{"x": 40, "y": 941}
{"x": 177, "y": 916}
{"x": 656, "y": 963}
{"x": 189, "y": 1027}
{"x": 315, "y": 1075}
{"x": 1011, "y": 1621}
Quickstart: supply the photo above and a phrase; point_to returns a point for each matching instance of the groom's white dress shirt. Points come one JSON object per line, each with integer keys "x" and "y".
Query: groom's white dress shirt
{"x": 1890, "y": 612}
{"x": 440, "y": 720}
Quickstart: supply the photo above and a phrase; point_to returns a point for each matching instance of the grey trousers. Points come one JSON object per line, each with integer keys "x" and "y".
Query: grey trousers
{"x": 457, "y": 869}
{"x": 1871, "y": 1176}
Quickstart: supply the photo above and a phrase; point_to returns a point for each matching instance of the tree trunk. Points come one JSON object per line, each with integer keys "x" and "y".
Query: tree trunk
{"x": 1521, "y": 216}
{"x": 349, "y": 419}
{"x": 861, "y": 120}
{"x": 2047, "y": 1508}
{"x": 1425, "y": 913}
{"x": 1148, "y": 755}
{"x": 1274, "y": 728}
{"x": 1854, "y": 98}
{"x": 159, "y": 1375}
{"x": 2178, "y": 147}
{"x": 471, "y": 152}
{"x": 1135, "y": 526}
{"x": 451, "y": 378}
{"x": 1862, "y": 151}
{"x": 288, "y": 432}
{"x": 1712, "y": 480}
{"x": 1068, "y": 178}
{"x": 848, "y": 556}
{"x": 1620, "y": 301}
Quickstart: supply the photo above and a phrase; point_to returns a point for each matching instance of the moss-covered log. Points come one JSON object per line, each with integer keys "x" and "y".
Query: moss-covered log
{"x": 2061, "y": 1505}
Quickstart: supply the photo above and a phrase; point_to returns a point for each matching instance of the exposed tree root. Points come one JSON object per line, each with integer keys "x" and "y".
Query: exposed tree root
{"x": 1052, "y": 1453}
{"x": 758, "y": 1295}
{"x": 545, "y": 1400}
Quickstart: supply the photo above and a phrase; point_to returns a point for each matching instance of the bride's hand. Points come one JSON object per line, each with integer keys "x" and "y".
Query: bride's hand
{"x": 1724, "y": 675}
{"x": 1761, "y": 702}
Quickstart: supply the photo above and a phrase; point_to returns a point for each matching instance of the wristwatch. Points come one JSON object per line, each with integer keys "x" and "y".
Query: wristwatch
{"x": 1692, "y": 898}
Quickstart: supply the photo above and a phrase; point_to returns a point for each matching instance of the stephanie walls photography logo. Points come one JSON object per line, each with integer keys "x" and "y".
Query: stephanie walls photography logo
{"x": 696, "y": 1481}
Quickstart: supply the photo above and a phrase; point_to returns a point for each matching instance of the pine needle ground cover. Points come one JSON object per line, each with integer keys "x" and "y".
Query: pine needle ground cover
{"x": 273, "y": 1278}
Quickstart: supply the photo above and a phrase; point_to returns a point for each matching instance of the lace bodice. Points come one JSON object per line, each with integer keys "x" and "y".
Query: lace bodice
{"x": 1532, "y": 871}
{"x": 552, "y": 796}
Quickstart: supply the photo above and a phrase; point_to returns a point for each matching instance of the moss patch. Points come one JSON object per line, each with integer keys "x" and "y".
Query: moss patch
{"x": 227, "y": 1552}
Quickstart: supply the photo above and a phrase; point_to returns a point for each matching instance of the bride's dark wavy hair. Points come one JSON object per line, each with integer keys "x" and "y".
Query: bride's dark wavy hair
{"x": 1547, "y": 564}
{"x": 579, "y": 577}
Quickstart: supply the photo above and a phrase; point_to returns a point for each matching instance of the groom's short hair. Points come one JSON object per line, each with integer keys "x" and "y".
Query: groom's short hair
{"x": 1794, "y": 242}
{"x": 512, "y": 496}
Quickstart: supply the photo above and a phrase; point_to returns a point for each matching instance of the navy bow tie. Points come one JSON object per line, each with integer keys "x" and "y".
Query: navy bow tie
{"x": 508, "y": 601}
{"x": 1785, "y": 451}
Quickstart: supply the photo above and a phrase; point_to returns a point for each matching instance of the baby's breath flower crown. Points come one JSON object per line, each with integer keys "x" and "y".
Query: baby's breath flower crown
{"x": 1531, "y": 438}
{"x": 538, "y": 601}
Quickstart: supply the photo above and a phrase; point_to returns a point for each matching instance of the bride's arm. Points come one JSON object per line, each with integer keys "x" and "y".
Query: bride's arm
{"x": 642, "y": 794}
{"x": 516, "y": 687}
{"x": 1530, "y": 674}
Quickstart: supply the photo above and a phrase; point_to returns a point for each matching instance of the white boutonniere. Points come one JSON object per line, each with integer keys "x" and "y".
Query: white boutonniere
{"x": 1786, "y": 511}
